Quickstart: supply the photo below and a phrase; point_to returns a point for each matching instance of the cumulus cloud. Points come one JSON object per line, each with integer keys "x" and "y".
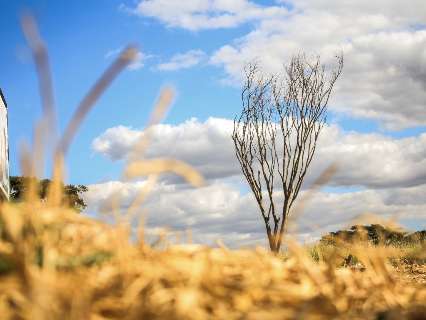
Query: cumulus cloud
{"x": 222, "y": 211}
{"x": 384, "y": 46}
{"x": 370, "y": 160}
{"x": 205, "y": 145}
{"x": 182, "y": 60}
{"x": 116, "y": 142}
{"x": 206, "y": 14}
{"x": 400, "y": 12}
{"x": 383, "y": 41}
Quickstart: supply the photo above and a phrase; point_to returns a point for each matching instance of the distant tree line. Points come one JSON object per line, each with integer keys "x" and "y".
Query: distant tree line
{"x": 72, "y": 193}
{"x": 375, "y": 234}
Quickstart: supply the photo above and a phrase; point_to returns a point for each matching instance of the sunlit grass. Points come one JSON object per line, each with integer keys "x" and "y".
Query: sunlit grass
{"x": 56, "y": 264}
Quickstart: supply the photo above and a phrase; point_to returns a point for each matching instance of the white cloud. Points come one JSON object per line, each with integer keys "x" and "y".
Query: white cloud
{"x": 183, "y": 60}
{"x": 207, "y": 146}
{"x": 136, "y": 64}
{"x": 206, "y": 14}
{"x": 113, "y": 53}
{"x": 220, "y": 211}
{"x": 116, "y": 142}
{"x": 384, "y": 43}
{"x": 371, "y": 160}
{"x": 400, "y": 12}
{"x": 385, "y": 54}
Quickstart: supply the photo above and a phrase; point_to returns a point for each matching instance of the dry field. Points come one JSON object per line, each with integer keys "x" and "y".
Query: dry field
{"x": 55, "y": 264}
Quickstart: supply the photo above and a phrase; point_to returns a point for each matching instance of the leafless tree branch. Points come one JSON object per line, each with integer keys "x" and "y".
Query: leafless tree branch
{"x": 276, "y": 134}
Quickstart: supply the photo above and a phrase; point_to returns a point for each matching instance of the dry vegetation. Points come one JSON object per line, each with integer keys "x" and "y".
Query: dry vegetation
{"x": 55, "y": 264}
{"x": 58, "y": 265}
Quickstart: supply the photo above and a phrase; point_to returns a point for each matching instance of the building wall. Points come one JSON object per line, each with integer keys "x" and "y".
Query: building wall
{"x": 4, "y": 150}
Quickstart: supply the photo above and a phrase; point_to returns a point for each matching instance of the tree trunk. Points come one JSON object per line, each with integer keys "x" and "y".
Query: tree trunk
{"x": 270, "y": 238}
{"x": 282, "y": 229}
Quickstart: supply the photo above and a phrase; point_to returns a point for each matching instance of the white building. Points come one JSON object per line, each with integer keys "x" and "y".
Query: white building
{"x": 4, "y": 150}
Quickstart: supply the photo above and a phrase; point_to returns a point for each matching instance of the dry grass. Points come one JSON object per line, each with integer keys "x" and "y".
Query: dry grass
{"x": 59, "y": 265}
{"x": 55, "y": 264}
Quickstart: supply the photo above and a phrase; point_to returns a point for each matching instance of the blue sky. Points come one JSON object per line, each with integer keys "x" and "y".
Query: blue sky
{"x": 78, "y": 41}
{"x": 199, "y": 47}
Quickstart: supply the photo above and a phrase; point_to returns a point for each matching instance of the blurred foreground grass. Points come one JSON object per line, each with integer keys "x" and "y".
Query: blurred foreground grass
{"x": 55, "y": 264}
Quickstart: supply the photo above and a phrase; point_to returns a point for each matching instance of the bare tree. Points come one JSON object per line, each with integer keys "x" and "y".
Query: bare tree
{"x": 276, "y": 134}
